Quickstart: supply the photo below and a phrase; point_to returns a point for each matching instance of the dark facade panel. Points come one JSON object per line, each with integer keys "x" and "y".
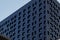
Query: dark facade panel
{"x": 53, "y": 21}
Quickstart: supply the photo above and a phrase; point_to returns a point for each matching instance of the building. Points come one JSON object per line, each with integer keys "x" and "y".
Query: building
{"x": 37, "y": 20}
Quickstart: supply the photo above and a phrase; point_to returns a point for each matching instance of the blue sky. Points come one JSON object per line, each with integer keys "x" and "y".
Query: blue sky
{"x": 7, "y": 7}
{"x": 58, "y": 1}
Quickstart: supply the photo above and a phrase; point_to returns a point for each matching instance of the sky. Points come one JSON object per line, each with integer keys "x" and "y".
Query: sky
{"x": 58, "y": 1}
{"x": 7, "y": 7}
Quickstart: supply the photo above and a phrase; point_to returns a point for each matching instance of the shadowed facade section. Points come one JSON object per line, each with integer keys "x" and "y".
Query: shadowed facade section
{"x": 4, "y": 38}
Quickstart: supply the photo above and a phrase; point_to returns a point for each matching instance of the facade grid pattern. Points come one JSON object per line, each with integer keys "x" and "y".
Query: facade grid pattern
{"x": 37, "y": 20}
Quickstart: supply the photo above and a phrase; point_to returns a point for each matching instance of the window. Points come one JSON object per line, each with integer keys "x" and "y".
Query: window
{"x": 34, "y": 8}
{"x": 32, "y": 14}
{"x": 19, "y": 22}
{"x": 19, "y": 26}
{"x": 35, "y": 3}
{"x": 18, "y": 36}
{"x": 24, "y": 10}
{"x": 40, "y": 35}
{"x": 29, "y": 7}
{"x": 19, "y": 31}
{"x": 28, "y": 25}
{"x": 48, "y": 32}
{"x": 40, "y": 29}
{"x": 34, "y": 27}
{"x": 40, "y": 14}
{"x": 23, "y": 33}
{"x": 40, "y": 4}
{"x": 28, "y": 35}
{"x": 40, "y": 24}
{"x": 29, "y": 11}
{"x": 28, "y": 30}
{"x": 19, "y": 18}
{"x": 34, "y": 17}
{"x": 24, "y": 19}
{"x": 19, "y": 13}
{"x": 39, "y": 0}
{"x": 33, "y": 38}
{"x": 23, "y": 38}
{"x": 24, "y": 15}
{"x": 28, "y": 16}
{"x": 23, "y": 28}
{"x": 40, "y": 19}
{"x": 28, "y": 21}
{"x": 40, "y": 9}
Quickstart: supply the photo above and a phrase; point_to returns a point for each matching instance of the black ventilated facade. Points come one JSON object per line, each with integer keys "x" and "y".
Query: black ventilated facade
{"x": 37, "y": 20}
